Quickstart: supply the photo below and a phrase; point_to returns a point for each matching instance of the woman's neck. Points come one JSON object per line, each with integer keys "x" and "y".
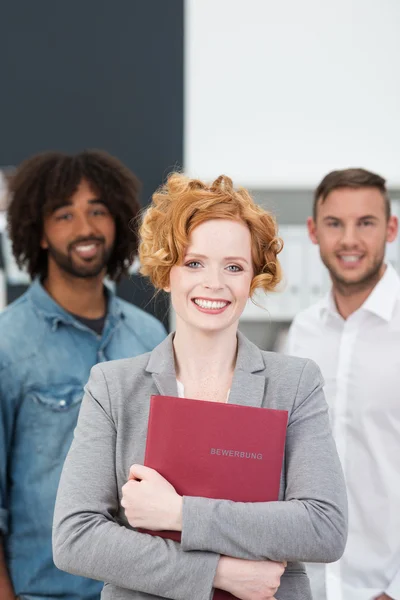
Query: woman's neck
{"x": 201, "y": 355}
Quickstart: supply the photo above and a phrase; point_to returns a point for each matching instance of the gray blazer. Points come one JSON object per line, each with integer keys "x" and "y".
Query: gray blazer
{"x": 92, "y": 536}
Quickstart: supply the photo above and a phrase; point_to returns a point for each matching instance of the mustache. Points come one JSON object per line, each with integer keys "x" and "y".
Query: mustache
{"x": 87, "y": 240}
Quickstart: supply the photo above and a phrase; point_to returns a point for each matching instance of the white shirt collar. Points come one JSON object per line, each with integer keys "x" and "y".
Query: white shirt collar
{"x": 380, "y": 302}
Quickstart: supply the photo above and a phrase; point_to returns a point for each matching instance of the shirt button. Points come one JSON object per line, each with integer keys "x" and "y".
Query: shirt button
{"x": 62, "y": 403}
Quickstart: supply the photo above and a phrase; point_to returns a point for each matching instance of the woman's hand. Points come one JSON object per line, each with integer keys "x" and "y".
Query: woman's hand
{"x": 150, "y": 501}
{"x": 249, "y": 579}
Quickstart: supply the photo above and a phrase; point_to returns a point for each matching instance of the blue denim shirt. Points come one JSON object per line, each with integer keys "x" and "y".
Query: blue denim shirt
{"x": 45, "y": 359}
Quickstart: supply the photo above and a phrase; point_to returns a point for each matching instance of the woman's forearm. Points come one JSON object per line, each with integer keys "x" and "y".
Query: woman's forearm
{"x": 290, "y": 530}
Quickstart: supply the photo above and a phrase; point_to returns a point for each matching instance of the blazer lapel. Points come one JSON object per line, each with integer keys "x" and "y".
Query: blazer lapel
{"x": 166, "y": 384}
{"x": 161, "y": 365}
{"x": 249, "y": 381}
{"x": 247, "y": 389}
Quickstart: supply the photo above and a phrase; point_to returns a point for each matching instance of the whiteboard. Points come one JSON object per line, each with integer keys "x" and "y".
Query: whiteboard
{"x": 277, "y": 94}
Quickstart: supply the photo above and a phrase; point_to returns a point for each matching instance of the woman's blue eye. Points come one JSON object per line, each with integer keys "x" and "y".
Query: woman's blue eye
{"x": 234, "y": 268}
{"x": 193, "y": 264}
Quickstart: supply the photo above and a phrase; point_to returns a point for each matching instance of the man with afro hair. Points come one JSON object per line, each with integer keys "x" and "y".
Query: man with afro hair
{"x": 72, "y": 222}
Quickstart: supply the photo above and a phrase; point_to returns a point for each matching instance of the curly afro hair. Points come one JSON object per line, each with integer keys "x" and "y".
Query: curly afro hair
{"x": 181, "y": 204}
{"x": 46, "y": 181}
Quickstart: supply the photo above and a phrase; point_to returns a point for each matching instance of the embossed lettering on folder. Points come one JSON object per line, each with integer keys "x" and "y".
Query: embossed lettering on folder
{"x": 215, "y": 450}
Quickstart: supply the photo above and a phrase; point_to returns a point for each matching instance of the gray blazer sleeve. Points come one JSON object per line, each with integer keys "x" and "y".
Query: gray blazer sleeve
{"x": 311, "y": 523}
{"x": 87, "y": 538}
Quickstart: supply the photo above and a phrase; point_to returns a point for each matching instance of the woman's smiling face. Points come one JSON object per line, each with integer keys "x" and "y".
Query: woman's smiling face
{"x": 209, "y": 290}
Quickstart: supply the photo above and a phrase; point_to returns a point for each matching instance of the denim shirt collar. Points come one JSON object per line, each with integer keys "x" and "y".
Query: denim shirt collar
{"x": 53, "y": 312}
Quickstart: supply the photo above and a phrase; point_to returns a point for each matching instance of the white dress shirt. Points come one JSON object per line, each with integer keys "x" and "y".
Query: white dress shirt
{"x": 360, "y": 360}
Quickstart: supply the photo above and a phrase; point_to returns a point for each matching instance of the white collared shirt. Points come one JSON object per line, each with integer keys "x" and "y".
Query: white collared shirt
{"x": 360, "y": 361}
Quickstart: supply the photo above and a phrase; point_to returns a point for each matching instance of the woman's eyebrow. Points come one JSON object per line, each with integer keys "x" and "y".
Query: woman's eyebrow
{"x": 204, "y": 257}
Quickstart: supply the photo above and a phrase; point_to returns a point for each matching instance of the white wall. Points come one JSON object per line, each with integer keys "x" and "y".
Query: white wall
{"x": 278, "y": 93}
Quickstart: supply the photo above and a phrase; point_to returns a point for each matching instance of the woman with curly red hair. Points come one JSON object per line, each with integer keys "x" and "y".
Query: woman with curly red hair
{"x": 211, "y": 247}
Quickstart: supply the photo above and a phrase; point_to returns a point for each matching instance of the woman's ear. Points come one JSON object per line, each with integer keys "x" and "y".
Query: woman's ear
{"x": 167, "y": 288}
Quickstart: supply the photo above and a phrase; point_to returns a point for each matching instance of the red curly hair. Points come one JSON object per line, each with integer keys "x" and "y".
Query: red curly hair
{"x": 182, "y": 204}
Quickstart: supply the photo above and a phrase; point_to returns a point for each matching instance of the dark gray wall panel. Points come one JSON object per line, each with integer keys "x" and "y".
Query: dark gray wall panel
{"x": 94, "y": 74}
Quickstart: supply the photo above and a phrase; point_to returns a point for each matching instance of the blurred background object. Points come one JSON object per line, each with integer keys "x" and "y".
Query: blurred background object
{"x": 5, "y": 174}
{"x": 5, "y": 254}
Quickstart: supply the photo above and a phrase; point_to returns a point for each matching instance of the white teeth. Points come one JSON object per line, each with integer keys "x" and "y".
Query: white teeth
{"x": 85, "y": 248}
{"x": 209, "y": 304}
{"x": 351, "y": 258}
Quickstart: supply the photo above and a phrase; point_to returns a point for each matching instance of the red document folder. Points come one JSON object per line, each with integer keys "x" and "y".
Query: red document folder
{"x": 215, "y": 450}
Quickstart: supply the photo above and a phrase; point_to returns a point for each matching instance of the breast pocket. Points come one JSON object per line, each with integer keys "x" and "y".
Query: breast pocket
{"x": 50, "y": 419}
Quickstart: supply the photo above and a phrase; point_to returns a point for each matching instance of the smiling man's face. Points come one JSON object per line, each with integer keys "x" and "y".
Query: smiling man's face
{"x": 80, "y": 235}
{"x": 352, "y": 229}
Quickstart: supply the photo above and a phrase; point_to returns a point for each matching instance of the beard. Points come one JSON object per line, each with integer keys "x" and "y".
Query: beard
{"x": 366, "y": 280}
{"x": 85, "y": 268}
